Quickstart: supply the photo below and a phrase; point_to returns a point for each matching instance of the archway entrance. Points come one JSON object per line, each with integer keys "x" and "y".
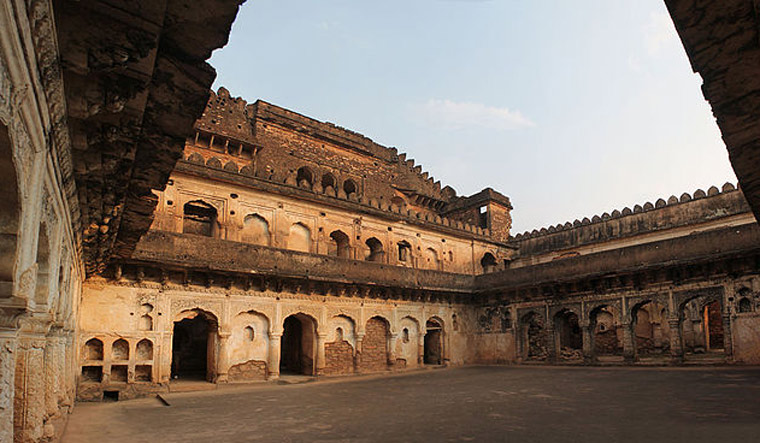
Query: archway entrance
{"x": 650, "y": 338}
{"x": 194, "y": 347}
{"x": 433, "y": 352}
{"x": 569, "y": 337}
{"x": 299, "y": 344}
{"x": 533, "y": 338}
{"x": 606, "y": 333}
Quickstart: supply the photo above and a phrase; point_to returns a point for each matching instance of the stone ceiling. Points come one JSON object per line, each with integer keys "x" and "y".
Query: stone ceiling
{"x": 135, "y": 78}
{"x": 722, "y": 41}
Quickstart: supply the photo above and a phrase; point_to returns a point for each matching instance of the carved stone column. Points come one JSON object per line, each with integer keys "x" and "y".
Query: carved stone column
{"x": 223, "y": 365}
{"x": 7, "y": 384}
{"x": 588, "y": 344}
{"x": 52, "y": 374}
{"x": 29, "y": 396}
{"x": 629, "y": 350}
{"x": 274, "y": 356}
{"x": 728, "y": 344}
{"x": 676, "y": 341}
{"x": 70, "y": 370}
{"x": 321, "y": 358}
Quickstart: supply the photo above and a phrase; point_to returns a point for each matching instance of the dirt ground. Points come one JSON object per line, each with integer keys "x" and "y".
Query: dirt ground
{"x": 517, "y": 404}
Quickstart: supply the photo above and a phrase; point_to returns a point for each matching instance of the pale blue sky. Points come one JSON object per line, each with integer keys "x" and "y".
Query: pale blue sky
{"x": 571, "y": 108}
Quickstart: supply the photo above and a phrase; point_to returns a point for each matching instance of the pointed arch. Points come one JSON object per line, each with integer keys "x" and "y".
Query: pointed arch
{"x": 488, "y": 263}
{"x": 299, "y": 238}
{"x": 304, "y": 177}
{"x": 350, "y": 188}
{"x": 376, "y": 252}
{"x": 256, "y": 230}
{"x": 199, "y": 218}
{"x": 339, "y": 245}
{"x": 431, "y": 259}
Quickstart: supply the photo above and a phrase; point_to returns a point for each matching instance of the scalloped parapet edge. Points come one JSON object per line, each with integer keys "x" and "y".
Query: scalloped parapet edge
{"x": 637, "y": 209}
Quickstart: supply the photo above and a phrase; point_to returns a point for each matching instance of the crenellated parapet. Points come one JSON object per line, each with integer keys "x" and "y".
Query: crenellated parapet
{"x": 649, "y": 218}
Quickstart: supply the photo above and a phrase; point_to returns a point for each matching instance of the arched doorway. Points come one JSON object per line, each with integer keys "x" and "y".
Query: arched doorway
{"x": 605, "y": 334}
{"x": 339, "y": 245}
{"x": 374, "y": 356}
{"x": 533, "y": 338}
{"x": 433, "y": 353}
{"x": 569, "y": 337}
{"x": 194, "y": 346}
{"x": 651, "y": 336}
{"x": 488, "y": 263}
{"x": 299, "y": 345}
{"x": 375, "y": 250}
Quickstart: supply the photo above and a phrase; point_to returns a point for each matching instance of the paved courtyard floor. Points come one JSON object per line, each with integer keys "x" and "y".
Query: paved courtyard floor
{"x": 515, "y": 404}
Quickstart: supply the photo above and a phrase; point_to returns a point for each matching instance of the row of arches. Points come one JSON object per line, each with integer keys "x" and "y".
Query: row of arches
{"x": 120, "y": 350}
{"x": 200, "y": 350}
{"x": 698, "y": 330}
{"x": 327, "y": 184}
{"x": 200, "y": 218}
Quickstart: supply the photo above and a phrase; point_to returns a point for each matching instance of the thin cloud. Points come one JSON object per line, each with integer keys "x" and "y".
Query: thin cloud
{"x": 461, "y": 115}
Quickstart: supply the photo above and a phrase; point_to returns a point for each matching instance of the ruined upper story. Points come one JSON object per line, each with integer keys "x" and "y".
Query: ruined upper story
{"x": 262, "y": 175}
{"x": 269, "y": 143}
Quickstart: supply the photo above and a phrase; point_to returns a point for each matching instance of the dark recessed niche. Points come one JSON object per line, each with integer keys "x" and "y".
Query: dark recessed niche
{"x": 389, "y": 228}
{"x": 110, "y": 395}
{"x": 119, "y": 374}
{"x": 92, "y": 373}
{"x": 232, "y": 212}
{"x": 142, "y": 373}
{"x": 169, "y": 203}
{"x": 233, "y": 195}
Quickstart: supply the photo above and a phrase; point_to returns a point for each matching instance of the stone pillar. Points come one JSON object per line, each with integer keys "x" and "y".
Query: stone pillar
{"x": 71, "y": 366}
{"x": 29, "y": 396}
{"x": 392, "y": 350}
{"x": 588, "y": 344}
{"x": 223, "y": 365}
{"x": 274, "y": 356}
{"x": 676, "y": 343}
{"x": 321, "y": 358}
{"x": 7, "y": 384}
{"x": 551, "y": 344}
{"x": 728, "y": 345}
{"x": 358, "y": 354}
{"x": 52, "y": 373}
{"x": 629, "y": 350}
{"x": 421, "y": 350}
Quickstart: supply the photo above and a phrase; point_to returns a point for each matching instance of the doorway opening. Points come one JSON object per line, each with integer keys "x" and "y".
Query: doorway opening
{"x": 299, "y": 345}
{"x": 433, "y": 352}
{"x": 193, "y": 347}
